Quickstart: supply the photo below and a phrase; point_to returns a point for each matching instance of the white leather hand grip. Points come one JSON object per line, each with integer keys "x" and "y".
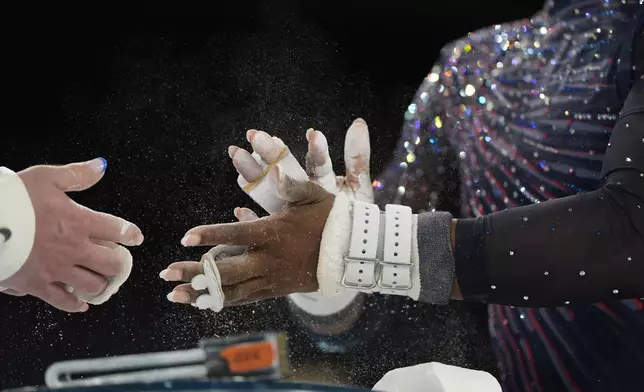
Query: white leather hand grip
{"x": 114, "y": 283}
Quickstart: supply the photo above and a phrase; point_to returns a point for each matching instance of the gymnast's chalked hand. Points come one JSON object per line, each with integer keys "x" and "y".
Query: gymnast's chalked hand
{"x": 283, "y": 248}
{"x": 75, "y": 258}
{"x": 269, "y": 151}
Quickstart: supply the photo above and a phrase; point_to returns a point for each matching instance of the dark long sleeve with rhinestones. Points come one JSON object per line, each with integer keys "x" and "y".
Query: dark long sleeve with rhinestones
{"x": 587, "y": 247}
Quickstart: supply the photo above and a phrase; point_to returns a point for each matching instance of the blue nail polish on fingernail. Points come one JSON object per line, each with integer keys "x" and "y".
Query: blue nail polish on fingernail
{"x": 104, "y": 163}
{"x": 98, "y": 165}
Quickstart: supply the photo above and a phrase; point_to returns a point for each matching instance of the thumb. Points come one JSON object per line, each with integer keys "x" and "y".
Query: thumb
{"x": 79, "y": 176}
{"x": 296, "y": 191}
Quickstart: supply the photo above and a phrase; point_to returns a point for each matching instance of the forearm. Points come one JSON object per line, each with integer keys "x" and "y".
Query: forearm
{"x": 586, "y": 248}
{"x": 583, "y": 248}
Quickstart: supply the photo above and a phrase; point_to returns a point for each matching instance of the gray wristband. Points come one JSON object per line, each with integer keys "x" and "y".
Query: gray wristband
{"x": 437, "y": 265}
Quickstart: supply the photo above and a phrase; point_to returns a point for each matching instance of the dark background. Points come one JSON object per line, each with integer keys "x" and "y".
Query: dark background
{"x": 161, "y": 96}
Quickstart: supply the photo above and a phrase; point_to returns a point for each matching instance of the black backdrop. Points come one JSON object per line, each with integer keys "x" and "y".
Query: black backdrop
{"x": 161, "y": 96}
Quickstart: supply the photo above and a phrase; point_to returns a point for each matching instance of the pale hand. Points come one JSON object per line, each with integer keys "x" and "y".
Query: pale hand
{"x": 74, "y": 247}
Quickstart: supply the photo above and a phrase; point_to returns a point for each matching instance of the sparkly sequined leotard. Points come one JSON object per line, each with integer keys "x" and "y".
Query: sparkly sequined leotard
{"x": 523, "y": 113}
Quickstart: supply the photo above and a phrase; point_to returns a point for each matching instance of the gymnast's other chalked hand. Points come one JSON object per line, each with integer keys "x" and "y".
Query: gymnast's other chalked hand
{"x": 267, "y": 151}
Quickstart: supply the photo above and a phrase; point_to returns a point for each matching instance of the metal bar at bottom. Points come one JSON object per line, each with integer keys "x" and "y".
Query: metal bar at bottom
{"x": 65, "y": 369}
{"x": 195, "y": 372}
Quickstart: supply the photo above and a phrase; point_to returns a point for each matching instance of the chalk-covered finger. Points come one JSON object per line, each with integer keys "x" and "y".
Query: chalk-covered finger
{"x": 271, "y": 150}
{"x": 57, "y": 296}
{"x": 245, "y": 214}
{"x": 181, "y": 271}
{"x": 318, "y": 162}
{"x": 267, "y": 147}
{"x": 238, "y": 233}
{"x": 263, "y": 191}
{"x": 268, "y": 151}
{"x": 85, "y": 281}
{"x": 357, "y": 154}
{"x": 104, "y": 260}
{"x": 111, "y": 228}
{"x": 247, "y": 167}
{"x": 184, "y": 294}
{"x": 357, "y": 149}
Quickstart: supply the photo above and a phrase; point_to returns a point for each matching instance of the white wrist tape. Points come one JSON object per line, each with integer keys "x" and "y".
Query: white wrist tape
{"x": 263, "y": 191}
